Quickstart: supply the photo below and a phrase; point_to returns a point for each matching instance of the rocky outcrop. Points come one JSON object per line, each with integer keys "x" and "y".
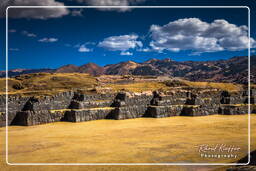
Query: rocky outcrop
{"x": 79, "y": 106}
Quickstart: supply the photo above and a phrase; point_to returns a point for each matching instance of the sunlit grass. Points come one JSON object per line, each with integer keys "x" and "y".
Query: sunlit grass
{"x": 221, "y": 86}
{"x": 138, "y": 87}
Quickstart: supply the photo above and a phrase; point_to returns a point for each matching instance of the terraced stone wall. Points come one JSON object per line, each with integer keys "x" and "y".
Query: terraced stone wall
{"x": 79, "y": 107}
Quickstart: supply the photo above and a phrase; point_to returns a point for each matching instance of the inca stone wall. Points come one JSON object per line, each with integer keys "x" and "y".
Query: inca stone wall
{"x": 80, "y": 107}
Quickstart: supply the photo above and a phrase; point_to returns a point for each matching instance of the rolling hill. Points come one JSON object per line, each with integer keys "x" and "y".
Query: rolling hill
{"x": 233, "y": 70}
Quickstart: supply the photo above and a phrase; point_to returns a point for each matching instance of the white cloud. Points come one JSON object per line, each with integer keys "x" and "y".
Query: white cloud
{"x": 84, "y": 44}
{"x": 77, "y": 12}
{"x": 126, "y": 53}
{"x": 26, "y": 33}
{"x": 36, "y": 13}
{"x": 48, "y": 40}
{"x": 14, "y": 49}
{"x": 112, "y": 3}
{"x": 82, "y": 48}
{"x": 194, "y": 34}
{"x": 144, "y": 50}
{"x": 121, "y": 43}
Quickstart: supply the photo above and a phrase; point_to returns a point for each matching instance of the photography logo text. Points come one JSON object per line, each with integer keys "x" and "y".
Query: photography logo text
{"x": 218, "y": 151}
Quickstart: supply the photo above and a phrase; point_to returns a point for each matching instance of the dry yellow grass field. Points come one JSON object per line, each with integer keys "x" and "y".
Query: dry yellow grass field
{"x": 138, "y": 87}
{"x": 47, "y": 83}
{"x": 39, "y": 84}
{"x": 221, "y": 86}
{"x": 146, "y": 140}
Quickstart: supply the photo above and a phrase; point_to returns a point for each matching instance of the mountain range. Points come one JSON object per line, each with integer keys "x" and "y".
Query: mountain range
{"x": 234, "y": 69}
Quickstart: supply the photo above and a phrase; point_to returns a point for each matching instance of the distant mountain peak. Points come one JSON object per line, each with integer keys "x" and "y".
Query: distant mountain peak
{"x": 67, "y": 69}
{"x": 231, "y": 70}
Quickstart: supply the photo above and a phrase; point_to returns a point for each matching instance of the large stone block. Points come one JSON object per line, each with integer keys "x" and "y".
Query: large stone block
{"x": 197, "y": 110}
{"x": 129, "y": 112}
{"x": 89, "y": 104}
{"x": 28, "y": 118}
{"x": 88, "y": 114}
{"x": 164, "y": 111}
{"x": 233, "y": 109}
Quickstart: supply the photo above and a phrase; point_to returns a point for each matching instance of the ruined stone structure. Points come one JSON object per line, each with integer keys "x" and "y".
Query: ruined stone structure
{"x": 79, "y": 107}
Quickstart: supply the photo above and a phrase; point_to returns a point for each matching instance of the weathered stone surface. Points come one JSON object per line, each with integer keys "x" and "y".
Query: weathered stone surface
{"x": 2, "y": 119}
{"x": 28, "y": 118}
{"x": 78, "y": 107}
{"x": 88, "y": 114}
{"x": 89, "y": 104}
{"x": 15, "y": 104}
{"x": 129, "y": 112}
{"x": 233, "y": 109}
{"x": 59, "y": 101}
{"x": 92, "y": 97}
{"x": 164, "y": 111}
{"x": 233, "y": 98}
{"x": 131, "y": 99}
{"x": 197, "y": 110}
{"x": 130, "y": 105}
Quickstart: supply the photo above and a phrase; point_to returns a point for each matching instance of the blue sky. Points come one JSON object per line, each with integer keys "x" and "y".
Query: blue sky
{"x": 50, "y": 39}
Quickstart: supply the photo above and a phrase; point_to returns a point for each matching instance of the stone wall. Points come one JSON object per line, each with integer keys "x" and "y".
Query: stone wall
{"x": 88, "y": 114}
{"x": 15, "y": 104}
{"x": 79, "y": 107}
{"x": 28, "y": 118}
{"x": 131, "y": 105}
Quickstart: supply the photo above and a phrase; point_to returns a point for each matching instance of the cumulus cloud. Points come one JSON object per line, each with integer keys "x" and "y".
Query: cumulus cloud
{"x": 82, "y": 48}
{"x": 196, "y": 35}
{"x": 144, "y": 50}
{"x": 36, "y": 13}
{"x": 126, "y": 53}
{"x": 121, "y": 43}
{"x": 112, "y": 3}
{"x": 26, "y": 33}
{"x": 48, "y": 40}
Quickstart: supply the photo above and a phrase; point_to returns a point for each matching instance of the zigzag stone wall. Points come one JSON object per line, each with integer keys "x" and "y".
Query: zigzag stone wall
{"x": 79, "y": 107}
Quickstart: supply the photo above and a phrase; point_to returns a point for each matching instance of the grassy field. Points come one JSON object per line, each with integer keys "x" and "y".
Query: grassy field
{"x": 39, "y": 84}
{"x": 221, "y": 86}
{"x": 146, "y": 140}
{"x": 47, "y": 83}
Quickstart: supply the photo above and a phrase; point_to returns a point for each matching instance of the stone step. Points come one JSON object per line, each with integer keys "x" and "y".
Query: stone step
{"x": 180, "y": 110}
{"x": 164, "y": 111}
{"x": 90, "y": 104}
{"x": 129, "y": 112}
{"x": 93, "y": 97}
{"x": 236, "y": 109}
{"x": 81, "y": 115}
{"x": 169, "y": 101}
{"x": 131, "y": 102}
{"x": 28, "y": 118}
